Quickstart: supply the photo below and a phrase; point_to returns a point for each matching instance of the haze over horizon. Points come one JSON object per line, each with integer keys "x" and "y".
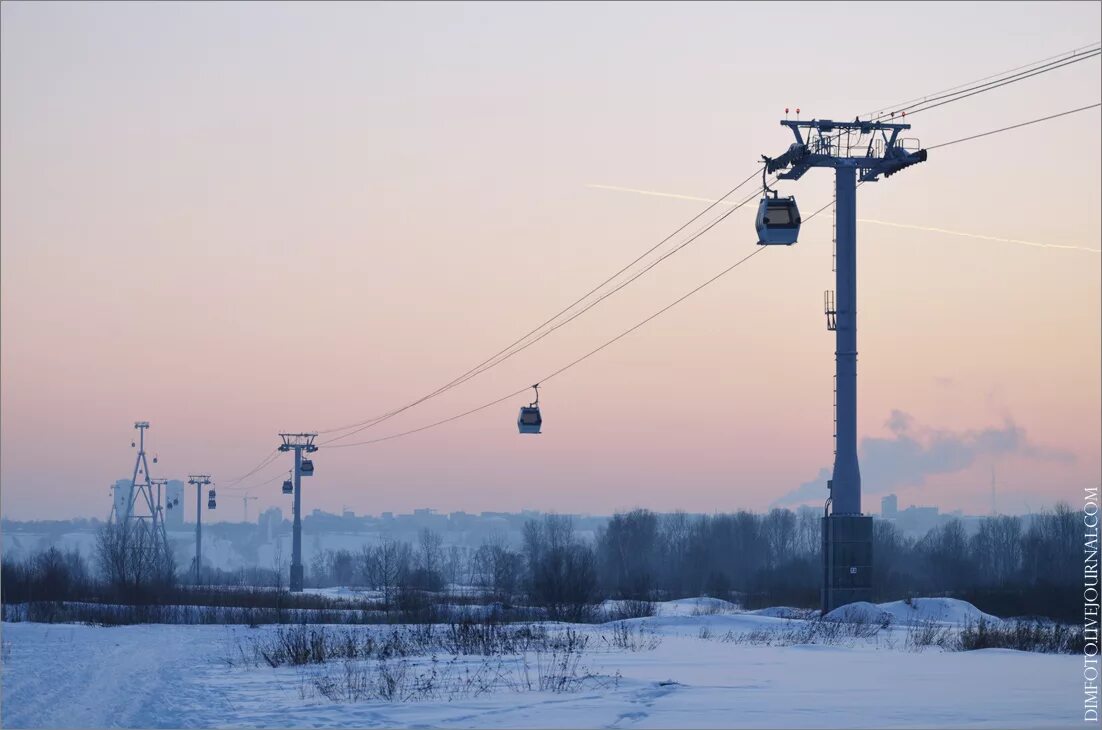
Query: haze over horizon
{"x": 233, "y": 220}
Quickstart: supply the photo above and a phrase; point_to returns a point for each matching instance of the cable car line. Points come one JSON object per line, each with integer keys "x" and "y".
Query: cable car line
{"x": 509, "y": 351}
{"x": 1016, "y": 126}
{"x": 917, "y": 104}
{"x": 623, "y": 334}
{"x": 995, "y": 81}
{"x": 664, "y": 309}
{"x": 582, "y": 311}
{"x": 989, "y": 87}
{"x": 566, "y": 367}
{"x": 457, "y": 380}
{"x": 251, "y": 486}
{"x": 938, "y": 100}
{"x": 265, "y": 462}
{"x": 876, "y": 113}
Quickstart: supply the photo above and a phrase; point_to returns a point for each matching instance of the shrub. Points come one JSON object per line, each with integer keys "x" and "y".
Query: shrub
{"x": 626, "y": 638}
{"x": 1036, "y": 636}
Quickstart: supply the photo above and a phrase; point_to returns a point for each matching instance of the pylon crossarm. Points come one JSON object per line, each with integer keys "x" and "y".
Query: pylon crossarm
{"x": 819, "y": 144}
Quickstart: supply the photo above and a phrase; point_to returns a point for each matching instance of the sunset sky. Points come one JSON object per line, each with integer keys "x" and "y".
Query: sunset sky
{"x": 233, "y": 220}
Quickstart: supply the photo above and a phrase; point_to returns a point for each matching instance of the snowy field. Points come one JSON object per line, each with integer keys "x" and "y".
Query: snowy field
{"x": 692, "y": 672}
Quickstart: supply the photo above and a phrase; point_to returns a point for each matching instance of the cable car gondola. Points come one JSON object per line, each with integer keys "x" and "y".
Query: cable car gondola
{"x": 307, "y": 468}
{"x": 778, "y": 220}
{"x": 211, "y": 503}
{"x": 529, "y": 420}
{"x": 288, "y": 487}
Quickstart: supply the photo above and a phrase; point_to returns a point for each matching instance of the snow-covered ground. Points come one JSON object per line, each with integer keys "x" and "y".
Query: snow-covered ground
{"x": 60, "y": 675}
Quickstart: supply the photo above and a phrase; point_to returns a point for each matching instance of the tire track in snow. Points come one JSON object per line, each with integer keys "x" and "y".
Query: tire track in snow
{"x": 80, "y": 676}
{"x": 646, "y": 697}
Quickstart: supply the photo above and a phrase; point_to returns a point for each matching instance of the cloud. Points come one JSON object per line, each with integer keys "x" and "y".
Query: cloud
{"x": 915, "y": 452}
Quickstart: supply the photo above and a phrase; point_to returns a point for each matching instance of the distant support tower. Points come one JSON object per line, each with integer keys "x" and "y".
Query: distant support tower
{"x": 862, "y": 151}
{"x": 245, "y": 502}
{"x": 299, "y": 443}
{"x": 200, "y": 481}
{"x": 141, "y": 511}
{"x": 994, "y": 504}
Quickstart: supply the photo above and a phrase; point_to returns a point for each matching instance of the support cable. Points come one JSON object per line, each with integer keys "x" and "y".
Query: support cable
{"x": 265, "y": 462}
{"x": 512, "y": 349}
{"x": 677, "y": 301}
{"x": 987, "y": 87}
{"x": 996, "y": 81}
{"x": 1016, "y": 126}
{"x": 584, "y": 357}
{"x": 913, "y": 107}
{"x": 876, "y": 113}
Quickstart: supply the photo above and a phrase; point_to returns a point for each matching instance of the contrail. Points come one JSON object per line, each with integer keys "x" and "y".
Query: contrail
{"x": 1018, "y": 241}
{"x": 1035, "y": 244}
{"x": 660, "y": 195}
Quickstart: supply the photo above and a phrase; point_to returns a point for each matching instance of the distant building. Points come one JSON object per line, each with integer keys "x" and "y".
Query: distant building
{"x": 270, "y": 521}
{"x": 120, "y": 497}
{"x": 889, "y": 506}
{"x": 917, "y": 520}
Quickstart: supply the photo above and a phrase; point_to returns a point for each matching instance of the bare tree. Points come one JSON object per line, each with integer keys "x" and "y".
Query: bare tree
{"x": 430, "y": 553}
{"x": 393, "y": 562}
{"x": 946, "y": 550}
{"x": 497, "y": 569}
{"x": 778, "y": 529}
{"x": 627, "y": 554}
{"x": 997, "y": 549}
{"x": 133, "y": 560}
{"x": 453, "y": 565}
{"x": 562, "y": 571}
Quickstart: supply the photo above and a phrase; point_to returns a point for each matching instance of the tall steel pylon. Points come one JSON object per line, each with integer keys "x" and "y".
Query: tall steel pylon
{"x": 200, "y": 481}
{"x": 143, "y": 510}
{"x": 865, "y": 151}
{"x": 299, "y": 443}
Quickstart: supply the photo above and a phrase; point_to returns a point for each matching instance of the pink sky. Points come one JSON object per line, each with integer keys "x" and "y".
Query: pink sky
{"x": 232, "y": 220}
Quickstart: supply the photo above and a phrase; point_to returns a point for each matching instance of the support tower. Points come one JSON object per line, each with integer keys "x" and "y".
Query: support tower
{"x": 200, "y": 481}
{"x": 141, "y": 512}
{"x": 859, "y": 152}
{"x": 299, "y": 443}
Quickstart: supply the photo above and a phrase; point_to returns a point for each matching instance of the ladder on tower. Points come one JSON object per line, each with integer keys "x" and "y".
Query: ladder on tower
{"x": 836, "y": 415}
{"x": 830, "y": 310}
{"x": 834, "y": 235}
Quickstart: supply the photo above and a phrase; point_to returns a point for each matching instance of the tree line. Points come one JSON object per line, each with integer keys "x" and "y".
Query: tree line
{"x": 1004, "y": 566}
